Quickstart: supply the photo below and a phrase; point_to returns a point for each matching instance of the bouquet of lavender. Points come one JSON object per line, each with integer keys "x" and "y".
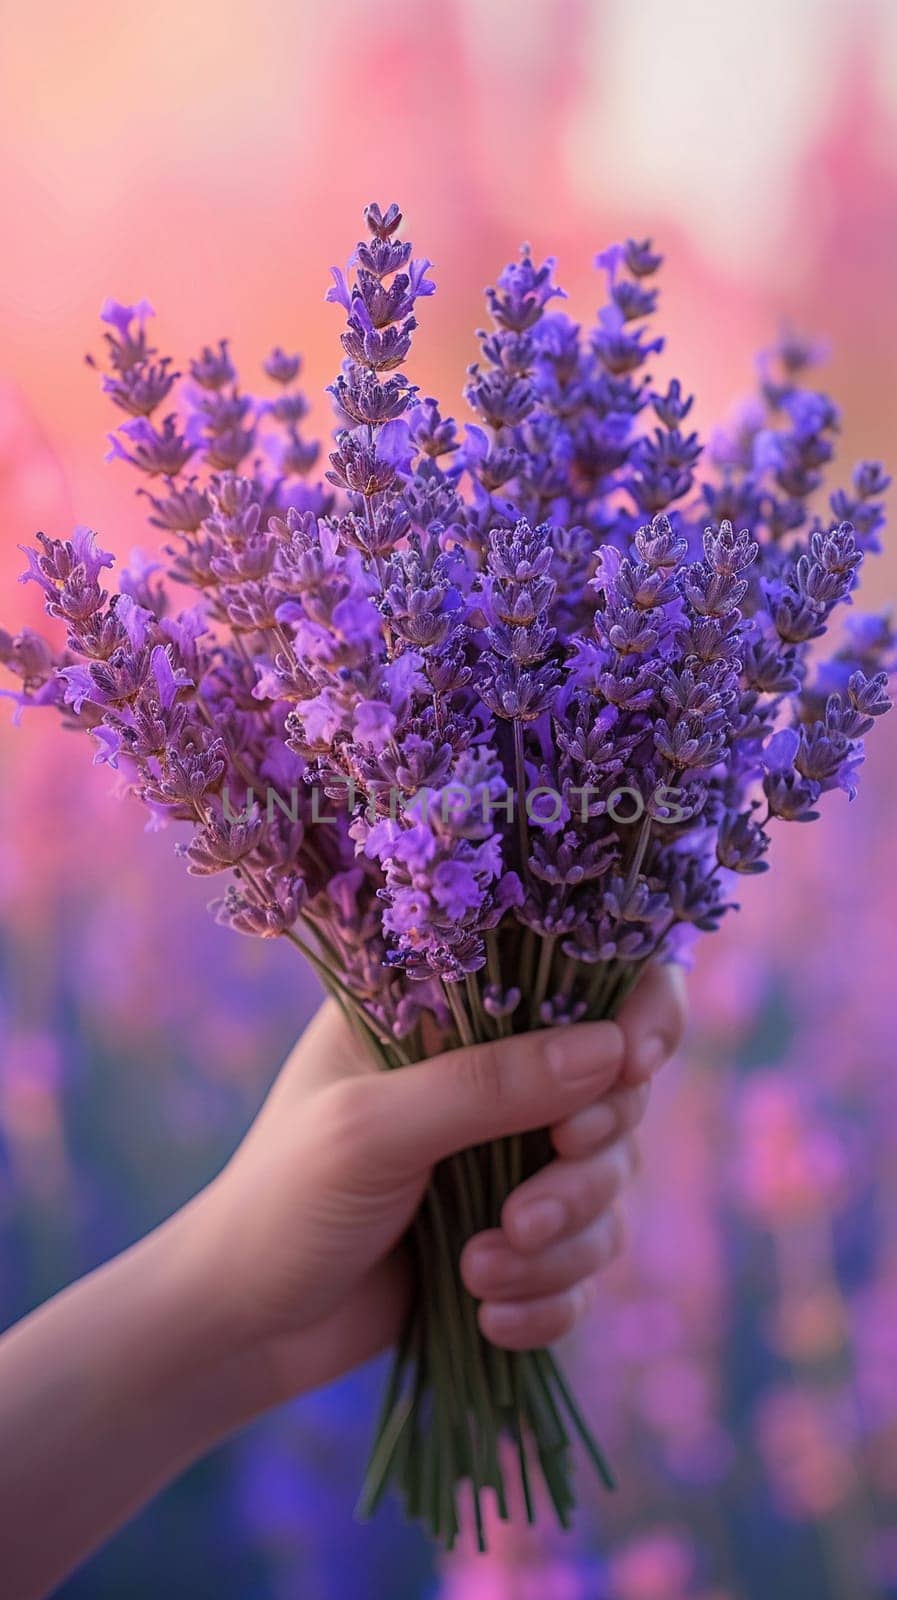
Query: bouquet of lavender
{"x": 479, "y": 724}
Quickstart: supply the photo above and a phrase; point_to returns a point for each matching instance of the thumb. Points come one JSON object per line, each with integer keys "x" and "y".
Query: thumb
{"x": 420, "y": 1114}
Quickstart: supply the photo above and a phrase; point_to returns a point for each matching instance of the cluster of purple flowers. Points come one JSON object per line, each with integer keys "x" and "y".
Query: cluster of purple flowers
{"x": 555, "y": 693}
{"x": 553, "y": 689}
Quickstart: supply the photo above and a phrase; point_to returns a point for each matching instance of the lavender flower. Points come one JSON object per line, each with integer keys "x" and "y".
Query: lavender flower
{"x": 494, "y": 714}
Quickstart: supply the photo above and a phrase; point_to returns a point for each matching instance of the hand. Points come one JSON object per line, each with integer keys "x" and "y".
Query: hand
{"x": 286, "y": 1271}
{"x": 299, "y": 1235}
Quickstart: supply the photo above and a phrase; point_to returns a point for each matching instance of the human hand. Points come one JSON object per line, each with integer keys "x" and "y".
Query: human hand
{"x": 300, "y": 1234}
{"x": 287, "y": 1269}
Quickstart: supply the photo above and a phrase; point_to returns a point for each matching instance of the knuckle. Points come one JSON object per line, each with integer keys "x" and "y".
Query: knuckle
{"x": 567, "y": 1312}
{"x": 348, "y": 1113}
{"x": 567, "y": 1139}
{"x": 482, "y": 1074}
{"x": 658, "y": 1006}
{"x": 593, "y": 1253}
{"x": 581, "y": 1144}
{"x": 613, "y": 1234}
{"x": 631, "y": 1107}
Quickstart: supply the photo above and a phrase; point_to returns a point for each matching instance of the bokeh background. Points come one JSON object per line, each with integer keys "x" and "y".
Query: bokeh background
{"x": 742, "y": 1360}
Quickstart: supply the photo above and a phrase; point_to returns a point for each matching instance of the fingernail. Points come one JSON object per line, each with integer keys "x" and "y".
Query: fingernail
{"x": 620, "y": 1159}
{"x": 491, "y": 1268}
{"x": 587, "y": 1292}
{"x": 540, "y": 1221}
{"x": 642, "y": 1096}
{"x": 599, "y": 1122}
{"x": 575, "y": 1055}
{"x": 507, "y": 1317}
{"x": 482, "y": 1257}
{"x": 613, "y": 1229}
{"x": 633, "y": 1156}
{"x": 650, "y": 1054}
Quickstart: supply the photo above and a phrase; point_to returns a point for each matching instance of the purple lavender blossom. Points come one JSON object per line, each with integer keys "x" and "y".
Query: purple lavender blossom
{"x": 493, "y": 715}
{"x": 519, "y": 599}
{"x": 539, "y": 605}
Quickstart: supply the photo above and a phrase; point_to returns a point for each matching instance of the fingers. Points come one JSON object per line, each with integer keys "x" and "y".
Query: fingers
{"x": 653, "y": 1021}
{"x": 528, "y": 1302}
{"x": 598, "y": 1125}
{"x": 493, "y": 1270}
{"x": 418, "y": 1115}
{"x": 564, "y": 1198}
{"x": 467, "y": 1096}
{"x": 535, "y": 1276}
{"x": 529, "y": 1324}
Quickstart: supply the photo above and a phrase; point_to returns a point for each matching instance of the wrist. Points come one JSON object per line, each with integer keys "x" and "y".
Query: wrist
{"x": 208, "y": 1365}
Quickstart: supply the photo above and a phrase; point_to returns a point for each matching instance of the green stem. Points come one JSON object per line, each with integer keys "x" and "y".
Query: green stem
{"x": 515, "y": 1161}
{"x": 552, "y": 1443}
{"x": 595, "y": 992}
{"x": 481, "y": 1024}
{"x": 392, "y": 1420}
{"x": 483, "y": 1437}
{"x": 527, "y": 958}
{"x": 569, "y": 974}
{"x": 477, "y": 1353}
{"x": 493, "y": 967}
{"x": 462, "y": 1020}
{"x": 500, "y": 1361}
{"x": 335, "y": 987}
{"x": 546, "y": 1362}
{"x": 520, "y": 782}
{"x": 543, "y": 973}
{"x": 518, "y": 1426}
{"x": 635, "y": 865}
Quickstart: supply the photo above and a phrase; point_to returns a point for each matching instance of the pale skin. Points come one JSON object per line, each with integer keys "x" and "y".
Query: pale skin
{"x": 288, "y": 1270}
